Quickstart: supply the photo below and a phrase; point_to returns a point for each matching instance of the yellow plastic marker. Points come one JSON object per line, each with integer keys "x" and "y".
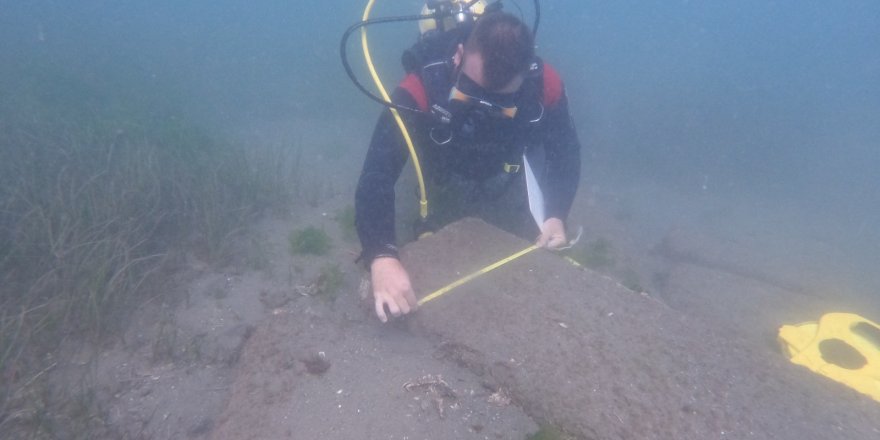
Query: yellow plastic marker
{"x": 841, "y": 346}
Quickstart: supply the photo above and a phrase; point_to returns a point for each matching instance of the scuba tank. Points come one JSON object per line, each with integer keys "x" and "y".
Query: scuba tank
{"x": 451, "y": 13}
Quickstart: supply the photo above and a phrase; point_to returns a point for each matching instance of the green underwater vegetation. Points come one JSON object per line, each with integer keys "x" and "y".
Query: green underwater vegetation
{"x": 595, "y": 254}
{"x": 309, "y": 241}
{"x": 104, "y": 185}
{"x": 630, "y": 280}
{"x": 330, "y": 281}
{"x": 548, "y": 432}
{"x": 345, "y": 219}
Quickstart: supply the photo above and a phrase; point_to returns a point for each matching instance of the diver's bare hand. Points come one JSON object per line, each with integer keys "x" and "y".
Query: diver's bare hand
{"x": 391, "y": 287}
{"x": 552, "y": 234}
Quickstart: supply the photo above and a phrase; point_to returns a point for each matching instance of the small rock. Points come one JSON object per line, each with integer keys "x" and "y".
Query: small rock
{"x": 274, "y": 300}
{"x": 316, "y": 364}
{"x": 227, "y": 346}
{"x": 202, "y": 428}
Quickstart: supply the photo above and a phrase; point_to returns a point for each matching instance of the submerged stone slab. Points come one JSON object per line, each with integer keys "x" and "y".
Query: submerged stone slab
{"x": 578, "y": 350}
{"x": 322, "y": 371}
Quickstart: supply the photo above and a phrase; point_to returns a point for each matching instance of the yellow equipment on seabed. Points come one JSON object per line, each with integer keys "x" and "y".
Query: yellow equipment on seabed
{"x": 842, "y": 346}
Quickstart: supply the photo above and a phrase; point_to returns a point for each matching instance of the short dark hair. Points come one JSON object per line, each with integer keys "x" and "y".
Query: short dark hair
{"x": 506, "y": 45}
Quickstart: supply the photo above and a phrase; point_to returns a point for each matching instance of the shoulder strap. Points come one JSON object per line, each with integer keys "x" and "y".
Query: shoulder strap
{"x": 430, "y": 59}
{"x": 531, "y": 100}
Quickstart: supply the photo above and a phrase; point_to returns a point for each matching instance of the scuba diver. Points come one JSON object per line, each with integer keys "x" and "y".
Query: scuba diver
{"x": 481, "y": 108}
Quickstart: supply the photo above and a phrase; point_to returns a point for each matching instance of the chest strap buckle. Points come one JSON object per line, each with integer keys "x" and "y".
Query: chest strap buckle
{"x": 511, "y": 168}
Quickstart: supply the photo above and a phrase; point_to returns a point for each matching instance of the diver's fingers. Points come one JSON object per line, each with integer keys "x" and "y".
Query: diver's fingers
{"x": 402, "y": 305}
{"x": 380, "y": 310}
{"x": 542, "y": 240}
{"x": 556, "y": 241}
{"x": 393, "y": 307}
{"x": 410, "y": 296}
{"x": 407, "y": 301}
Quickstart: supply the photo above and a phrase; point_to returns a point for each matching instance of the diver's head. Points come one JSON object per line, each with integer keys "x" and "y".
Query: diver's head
{"x": 498, "y": 53}
{"x": 491, "y": 66}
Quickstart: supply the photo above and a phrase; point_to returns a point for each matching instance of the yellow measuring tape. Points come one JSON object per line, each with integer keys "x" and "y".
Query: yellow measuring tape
{"x": 439, "y": 292}
{"x": 482, "y": 271}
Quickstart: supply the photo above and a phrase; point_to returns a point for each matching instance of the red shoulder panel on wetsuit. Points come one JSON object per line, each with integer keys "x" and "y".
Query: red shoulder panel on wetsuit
{"x": 413, "y": 85}
{"x": 552, "y": 86}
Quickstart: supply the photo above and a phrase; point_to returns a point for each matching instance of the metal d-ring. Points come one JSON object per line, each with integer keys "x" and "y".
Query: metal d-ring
{"x": 540, "y": 115}
{"x": 443, "y": 142}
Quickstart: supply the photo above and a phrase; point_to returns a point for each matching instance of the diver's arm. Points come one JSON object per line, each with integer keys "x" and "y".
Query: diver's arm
{"x": 374, "y": 197}
{"x": 563, "y": 160}
{"x": 374, "y": 214}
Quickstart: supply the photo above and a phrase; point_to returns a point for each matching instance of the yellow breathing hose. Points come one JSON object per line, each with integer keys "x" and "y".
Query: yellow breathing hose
{"x": 423, "y": 198}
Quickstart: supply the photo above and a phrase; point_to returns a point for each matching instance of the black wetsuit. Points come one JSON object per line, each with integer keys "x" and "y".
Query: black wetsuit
{"x": 463, "y": 179}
